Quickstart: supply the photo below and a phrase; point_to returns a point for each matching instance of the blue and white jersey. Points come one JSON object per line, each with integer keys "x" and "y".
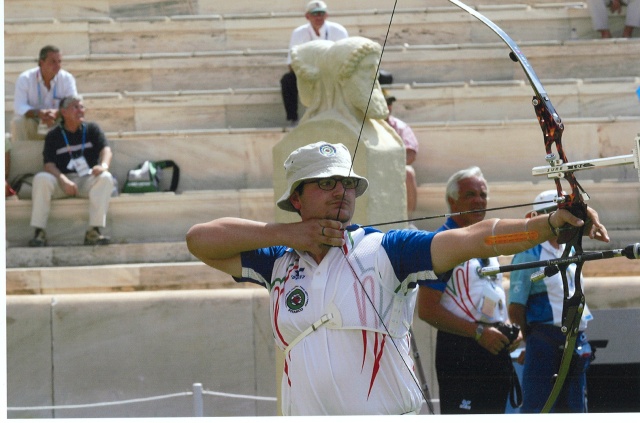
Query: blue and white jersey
{"x": 470, "y": 296}
{"x": 543, "y": 299}
{"x": 372, "y": 268}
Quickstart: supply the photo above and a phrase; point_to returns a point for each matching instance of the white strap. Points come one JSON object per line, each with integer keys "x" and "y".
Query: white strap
{"x": 314, "y": 326}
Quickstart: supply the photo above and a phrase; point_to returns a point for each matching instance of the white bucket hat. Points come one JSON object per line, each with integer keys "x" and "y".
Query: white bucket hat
{"x": 547, "y": 202}
{"x": 317, "y": 160}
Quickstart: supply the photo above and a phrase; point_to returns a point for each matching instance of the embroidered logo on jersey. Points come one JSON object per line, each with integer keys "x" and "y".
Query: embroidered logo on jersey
{"x": 297, "y": 298}
{"x": 327, "y": 150}
{"x": 297, "y": 274}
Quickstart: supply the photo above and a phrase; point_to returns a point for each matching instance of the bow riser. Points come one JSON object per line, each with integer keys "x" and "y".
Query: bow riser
{"x": 552, "y": 128}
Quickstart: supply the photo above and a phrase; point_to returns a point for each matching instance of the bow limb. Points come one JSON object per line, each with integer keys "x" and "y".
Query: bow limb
{"x": 552, "y": 128}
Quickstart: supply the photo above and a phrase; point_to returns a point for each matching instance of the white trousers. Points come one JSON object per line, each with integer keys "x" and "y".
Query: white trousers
{"x": 600, "y": 13}
{"x": 97, "y": 189}
{"x": 24, "y": 128}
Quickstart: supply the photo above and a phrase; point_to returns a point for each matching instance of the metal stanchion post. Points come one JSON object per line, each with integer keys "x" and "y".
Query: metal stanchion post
{"x": 197, "y": 400}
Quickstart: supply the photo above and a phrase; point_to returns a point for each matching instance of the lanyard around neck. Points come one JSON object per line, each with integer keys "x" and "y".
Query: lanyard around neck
{"x": 66, "y": 141}
{"x": 41, "y": 79}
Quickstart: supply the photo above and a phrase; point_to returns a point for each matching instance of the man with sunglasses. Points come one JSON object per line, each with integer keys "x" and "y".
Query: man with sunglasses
{"x": 537, "y": 308}
{"x": 342, "y": 315}
{"x": 318, "y": 28}
{"x": 473, "y": 364}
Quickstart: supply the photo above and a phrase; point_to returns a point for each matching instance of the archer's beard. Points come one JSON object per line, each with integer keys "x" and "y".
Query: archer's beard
{"x": 342, "y": 214}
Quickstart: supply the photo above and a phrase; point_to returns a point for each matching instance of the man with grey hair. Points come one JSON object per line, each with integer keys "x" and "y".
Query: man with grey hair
{"x": 77, "y": 157}
{"x": 342, "y": 315}
{"x": 37, "y": 95}
{"x": 473, "y": 364}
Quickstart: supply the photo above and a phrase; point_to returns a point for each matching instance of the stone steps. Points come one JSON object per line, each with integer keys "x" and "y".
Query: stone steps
{"x": 445, "y": 24}
{"x": 160, "y": 266}
{"x": 60, "y": 9}
{"x": 154, "y": 218}
{"x": 206, "y": 70}
{"x": 262, "y": 108}
{"x": 232, "y": 177}
{"x": 241, "y": 159}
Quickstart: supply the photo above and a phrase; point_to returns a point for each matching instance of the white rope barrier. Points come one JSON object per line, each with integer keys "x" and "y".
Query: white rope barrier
{"x": 196, "y": 393}
{"x": 100, "y": 404}
{"x": 222, "y": 394}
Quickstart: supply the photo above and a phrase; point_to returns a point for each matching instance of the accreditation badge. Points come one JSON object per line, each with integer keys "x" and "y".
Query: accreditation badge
{"x": 80, "y": 165}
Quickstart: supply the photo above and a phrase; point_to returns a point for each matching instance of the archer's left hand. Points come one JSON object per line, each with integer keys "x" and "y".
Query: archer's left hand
{"x": 594, "y": 228}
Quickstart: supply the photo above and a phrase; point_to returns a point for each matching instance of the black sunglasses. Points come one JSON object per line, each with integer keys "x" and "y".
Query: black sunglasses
{"x": 327, "y": 184}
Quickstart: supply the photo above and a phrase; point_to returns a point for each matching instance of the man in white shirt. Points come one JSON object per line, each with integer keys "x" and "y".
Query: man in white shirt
{"x": 318, "y": 28}
{"x": 37, "y": 96}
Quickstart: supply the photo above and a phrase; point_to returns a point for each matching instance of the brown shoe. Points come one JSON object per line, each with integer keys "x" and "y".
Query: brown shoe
{"x": 94, "y": 237}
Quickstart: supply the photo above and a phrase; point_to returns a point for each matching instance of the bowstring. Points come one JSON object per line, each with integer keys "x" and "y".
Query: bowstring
{"x": 355, "y": 151}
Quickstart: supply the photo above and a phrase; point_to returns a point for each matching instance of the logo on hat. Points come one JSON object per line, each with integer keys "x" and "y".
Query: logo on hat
{"x": 327, "y": 150}
{"x": 316, "y": 6}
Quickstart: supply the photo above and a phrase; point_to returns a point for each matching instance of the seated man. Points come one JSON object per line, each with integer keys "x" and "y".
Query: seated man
{"x": 37, "y": 95}
{"x": 76, "y": 164}
{"x": 318, "y": 28}
{"x": 600, "y": 9}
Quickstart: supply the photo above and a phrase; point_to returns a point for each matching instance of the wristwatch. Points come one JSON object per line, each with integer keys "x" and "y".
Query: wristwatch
{"x": 479, "y": 331}
{"x": 105, "y": 166}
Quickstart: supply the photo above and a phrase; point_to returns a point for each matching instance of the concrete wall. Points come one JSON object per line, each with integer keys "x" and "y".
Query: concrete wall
{"x": 82, "y": 349}
{"x": 98, "y": 348}
{"x": 94, "y": 348}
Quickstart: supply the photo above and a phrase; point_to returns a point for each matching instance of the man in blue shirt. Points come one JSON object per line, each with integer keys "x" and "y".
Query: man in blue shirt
{"x": 537, "y": 308}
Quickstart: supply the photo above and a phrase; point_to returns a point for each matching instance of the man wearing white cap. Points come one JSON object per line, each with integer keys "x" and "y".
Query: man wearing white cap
{"x": 342, "y": 315}
{"x": 537, "y": 308}
{"x": 318, "y": 28}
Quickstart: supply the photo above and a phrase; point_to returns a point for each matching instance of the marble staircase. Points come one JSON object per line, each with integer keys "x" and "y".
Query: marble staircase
{"x": 255, "y": 68}
{"x": 133, "y": 111}
{"x": 196, "y": 81}
{"x": 222, "y": 31}
{"x": 199, "y": 79}
{"x": 162, "y": 261}
{"x": 60, "y": 9}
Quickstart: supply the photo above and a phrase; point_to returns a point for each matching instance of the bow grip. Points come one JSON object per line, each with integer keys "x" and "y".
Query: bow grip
{"x": 567, "y": 231}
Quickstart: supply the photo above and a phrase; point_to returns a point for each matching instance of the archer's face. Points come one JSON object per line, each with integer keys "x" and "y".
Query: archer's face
{"x": 314, "y": 202}
{"x": 472, "y": 195}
